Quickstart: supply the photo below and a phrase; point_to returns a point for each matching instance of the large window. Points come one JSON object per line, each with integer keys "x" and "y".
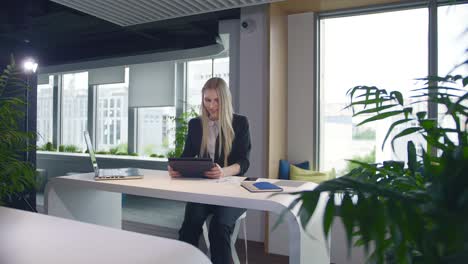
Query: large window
{"x": 198, "y": 72}
{"x": 74, "y": 109}
{"x": 45, "y": 107}
{"x": 155, "y": 130}
{"x": 452, "y": 38}
{"x": 452, "y": 43}
{"x": 221, "y": 68}
{"x": 387, "y": 50}
{"x": 112, "y": 116}
{"x": 152, "y": 128}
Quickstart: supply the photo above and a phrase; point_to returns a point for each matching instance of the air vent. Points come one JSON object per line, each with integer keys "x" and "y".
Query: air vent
{"x": 134, "y": 12}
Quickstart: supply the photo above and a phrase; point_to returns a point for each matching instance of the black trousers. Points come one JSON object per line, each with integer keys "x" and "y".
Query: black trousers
{"x": 219, "y": 232}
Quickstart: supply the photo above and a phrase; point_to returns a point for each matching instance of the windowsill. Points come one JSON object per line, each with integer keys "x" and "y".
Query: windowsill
{"x": 101, "y": 156}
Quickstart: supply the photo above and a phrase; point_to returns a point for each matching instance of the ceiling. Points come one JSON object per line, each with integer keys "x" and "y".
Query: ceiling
{"x": 301, "y": 6}
{"x": 134, "y": 12}
{"x": 56, "y": 34}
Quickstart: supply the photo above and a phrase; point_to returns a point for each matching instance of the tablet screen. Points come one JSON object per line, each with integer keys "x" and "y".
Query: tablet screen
{"x": 191, "y": 167}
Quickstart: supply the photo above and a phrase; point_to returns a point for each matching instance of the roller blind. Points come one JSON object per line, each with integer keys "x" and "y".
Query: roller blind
{"x": 42, "y": 79}
{"x": 152, "y": 84}
{"x": 106, "y": 75}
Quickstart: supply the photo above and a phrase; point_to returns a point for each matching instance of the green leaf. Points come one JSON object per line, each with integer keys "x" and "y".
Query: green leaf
{"x": 347, "y": 215}
{"x": 421, "y": 115}
{"x": 329, "y": 214}
{"x": 368, "y": 102}
{"x": 290, "y": 208}
{"x": 428, "y": 124}
{"x": 381, "y": 116}
{"x": 15, "y": 174}
{"x": 392, "y": 126}
{"x": 405, "y": 132}
{"x": 398, "y": 96}
{"x": 309, "y": 203}
{"x": 373, "y": 110}
{"x": 412, "y": 159}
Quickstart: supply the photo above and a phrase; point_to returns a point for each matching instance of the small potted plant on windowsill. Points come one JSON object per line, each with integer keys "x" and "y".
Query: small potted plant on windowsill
{"x": 413, "y": 212}
{"x": 16, "y": 175}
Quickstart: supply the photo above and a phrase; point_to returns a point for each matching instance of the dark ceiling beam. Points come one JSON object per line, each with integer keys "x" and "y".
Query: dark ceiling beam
{"x": 55, "y": 34}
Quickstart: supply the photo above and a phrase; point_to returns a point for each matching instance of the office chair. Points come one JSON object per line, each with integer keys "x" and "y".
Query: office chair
{"x": 235, "y": 232}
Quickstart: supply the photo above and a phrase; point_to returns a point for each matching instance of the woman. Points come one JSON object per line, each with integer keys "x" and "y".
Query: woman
{"x": 224, "y": 137}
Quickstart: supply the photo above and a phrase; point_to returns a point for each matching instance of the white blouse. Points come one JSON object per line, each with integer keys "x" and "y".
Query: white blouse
{"x": 213, "y": 134}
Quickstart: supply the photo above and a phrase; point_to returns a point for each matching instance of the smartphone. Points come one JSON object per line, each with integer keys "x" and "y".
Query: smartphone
{"x": 250, "y": 179}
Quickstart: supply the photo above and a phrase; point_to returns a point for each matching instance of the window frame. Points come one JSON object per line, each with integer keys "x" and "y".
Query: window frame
{"x": 181, "y": 86}
{"x": 93, "y": 105}
{"x": 431, "y": 6}
{"x": 213, "y": 58}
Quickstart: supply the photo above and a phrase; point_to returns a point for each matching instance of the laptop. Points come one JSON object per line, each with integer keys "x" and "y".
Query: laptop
{"x": 109, "y": 174}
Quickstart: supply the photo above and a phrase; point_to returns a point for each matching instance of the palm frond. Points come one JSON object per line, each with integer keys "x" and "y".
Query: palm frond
{"x": 15, "y": 175}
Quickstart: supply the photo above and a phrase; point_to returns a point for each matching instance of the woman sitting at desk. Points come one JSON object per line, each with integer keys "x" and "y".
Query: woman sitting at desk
{"x": 224, "y": 137}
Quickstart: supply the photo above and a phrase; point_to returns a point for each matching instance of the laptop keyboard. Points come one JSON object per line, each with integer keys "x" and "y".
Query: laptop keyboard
{"x": 110, "y": 172}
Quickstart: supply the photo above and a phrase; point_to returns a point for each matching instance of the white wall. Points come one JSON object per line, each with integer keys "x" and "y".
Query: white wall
{"x": 301, "y": 82}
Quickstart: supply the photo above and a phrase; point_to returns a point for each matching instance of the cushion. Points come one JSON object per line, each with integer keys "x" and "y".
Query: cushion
{"x": 283, "y": 172}
{"x": 299, "y": 174}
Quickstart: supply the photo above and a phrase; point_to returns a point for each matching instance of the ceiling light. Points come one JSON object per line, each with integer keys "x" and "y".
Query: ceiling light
{"x": 30, "y": 65}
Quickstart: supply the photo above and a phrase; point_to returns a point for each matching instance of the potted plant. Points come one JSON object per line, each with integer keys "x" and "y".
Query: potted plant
{"x": 414, "y": 211}
{"x": 181, "y": 131}
{"x": 16, "y": 175}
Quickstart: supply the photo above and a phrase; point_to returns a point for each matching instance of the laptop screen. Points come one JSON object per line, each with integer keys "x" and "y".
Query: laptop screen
{"x": 91, "y": 152}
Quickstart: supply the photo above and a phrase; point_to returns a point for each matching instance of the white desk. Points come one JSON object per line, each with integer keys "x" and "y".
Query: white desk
{"x": 80, "y": 197}
{"x": 27, "y": 237}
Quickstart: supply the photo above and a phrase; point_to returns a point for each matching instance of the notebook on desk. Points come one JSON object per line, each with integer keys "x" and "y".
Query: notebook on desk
{"x": 261, "y": 186}
{"x": 109, "y": 174}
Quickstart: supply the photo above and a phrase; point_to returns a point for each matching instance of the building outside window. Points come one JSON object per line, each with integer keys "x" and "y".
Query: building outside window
{"x": 74, "y": 108}
{"x": 45, "y": 111}
{"x": 387, "y": 50}
{"x": 112, "y": 116}
{"x": 221, "y": 68}
{"x": 198, "y": 72}
{"x": 155, "y": 128}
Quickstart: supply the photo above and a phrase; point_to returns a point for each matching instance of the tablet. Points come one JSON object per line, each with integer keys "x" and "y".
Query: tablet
{"x": 191, "y": 167}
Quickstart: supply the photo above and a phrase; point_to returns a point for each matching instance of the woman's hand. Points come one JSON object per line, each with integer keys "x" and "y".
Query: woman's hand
{"x": 215, "y": 173}
{"x": 172, "y": 173}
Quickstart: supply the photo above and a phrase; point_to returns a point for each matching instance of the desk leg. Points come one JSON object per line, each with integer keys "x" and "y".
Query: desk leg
{"x": 81, "y": 204}
{"x": 308, "y": 246}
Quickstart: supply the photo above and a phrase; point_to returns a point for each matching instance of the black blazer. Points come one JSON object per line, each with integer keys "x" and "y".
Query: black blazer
{"x": 240, "y": 146}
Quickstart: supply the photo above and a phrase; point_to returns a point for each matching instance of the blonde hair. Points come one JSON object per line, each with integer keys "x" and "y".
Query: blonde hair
{"x": 226, "y": 132}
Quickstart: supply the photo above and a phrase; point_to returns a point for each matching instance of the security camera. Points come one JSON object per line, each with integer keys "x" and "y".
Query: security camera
{"x": 248, "y": 25}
